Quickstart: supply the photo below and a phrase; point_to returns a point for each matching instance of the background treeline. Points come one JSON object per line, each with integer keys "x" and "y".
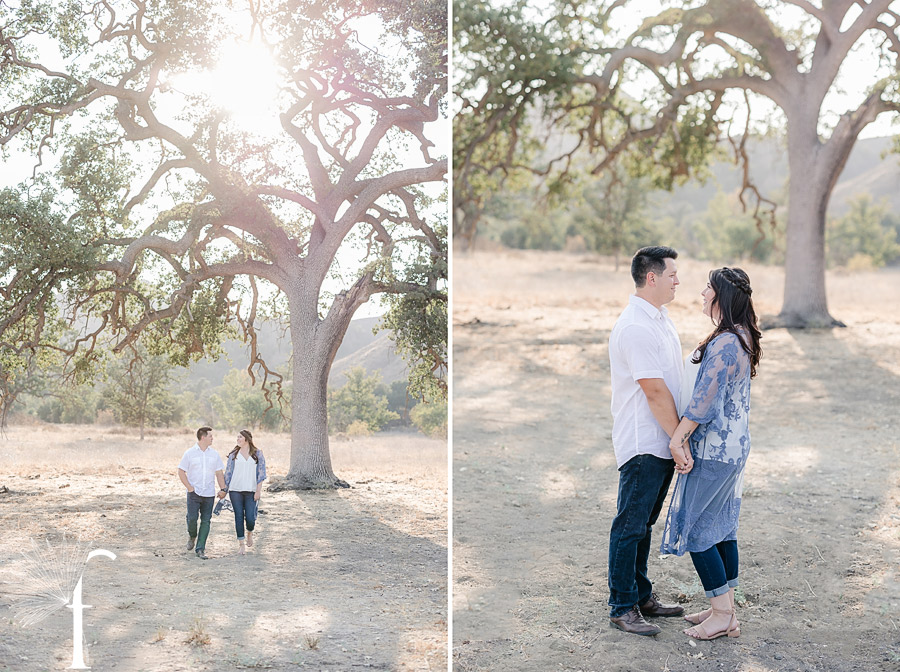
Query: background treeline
{"x": 368, "y": 391}
{"x": 614, "y": 214}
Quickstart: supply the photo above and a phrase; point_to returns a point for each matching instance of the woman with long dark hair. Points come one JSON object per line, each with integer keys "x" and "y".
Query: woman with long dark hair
{"x": 244, "y": 473}
{"x": 712, "y": 443}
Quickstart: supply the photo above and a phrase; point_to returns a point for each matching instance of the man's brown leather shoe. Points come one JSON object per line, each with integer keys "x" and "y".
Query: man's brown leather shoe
{"x": 633, "y": 622}
{"x": 653, "y": 607}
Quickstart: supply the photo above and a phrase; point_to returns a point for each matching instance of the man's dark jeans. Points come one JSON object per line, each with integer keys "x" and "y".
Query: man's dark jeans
{"x": 643, "y": 484}
{"x": 202, "y": 506}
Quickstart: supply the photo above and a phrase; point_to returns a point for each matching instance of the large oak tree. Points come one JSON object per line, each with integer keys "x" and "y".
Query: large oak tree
{"x": 660, "y": 96}
{"x": 187, "y": 223}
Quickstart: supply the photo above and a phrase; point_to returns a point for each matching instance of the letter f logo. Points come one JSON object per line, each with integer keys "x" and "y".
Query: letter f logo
{"x": 78, "y": 608}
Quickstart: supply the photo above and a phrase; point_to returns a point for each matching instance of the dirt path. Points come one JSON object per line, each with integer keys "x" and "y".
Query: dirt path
{"x": 340, "y": 580}
{"x": 535, "y": 478}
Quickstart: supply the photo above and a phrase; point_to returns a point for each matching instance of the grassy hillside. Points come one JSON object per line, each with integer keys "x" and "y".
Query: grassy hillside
{"x": 869, "y": 170}
{"x": 360, "y": 347}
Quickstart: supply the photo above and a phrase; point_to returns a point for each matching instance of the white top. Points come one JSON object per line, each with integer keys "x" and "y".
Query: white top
{"x": 688, "y": 380}
{"x": 201, "y": 467}
{"x": 643, "y": 344}
{"x": 243, "y": 478}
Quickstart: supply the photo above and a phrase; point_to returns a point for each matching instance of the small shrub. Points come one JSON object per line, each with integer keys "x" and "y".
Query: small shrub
{"x": 358, "y": 428}
{"x": 861, "y": 262}
{"x": 360, "y": 398}
{"x": 431, "y": 418}
{"x": 197, "y": 635}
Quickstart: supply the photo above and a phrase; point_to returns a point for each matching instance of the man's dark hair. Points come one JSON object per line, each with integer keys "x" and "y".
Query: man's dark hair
{"x": 203, "y": 431}
{"x": 650, "y": 259}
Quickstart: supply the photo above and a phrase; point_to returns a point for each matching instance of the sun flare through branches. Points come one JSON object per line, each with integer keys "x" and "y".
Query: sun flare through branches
{"x": 243, "y": 84}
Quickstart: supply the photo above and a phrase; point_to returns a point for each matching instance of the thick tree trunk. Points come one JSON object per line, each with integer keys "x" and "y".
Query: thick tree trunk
{"x": 314, "y": 350}
{"x": 805, "y": 303}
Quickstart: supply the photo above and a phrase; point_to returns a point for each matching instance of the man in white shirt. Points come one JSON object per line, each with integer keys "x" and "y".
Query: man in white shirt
{"x": 646, "y": 368}
{"x": 199, "y": 469}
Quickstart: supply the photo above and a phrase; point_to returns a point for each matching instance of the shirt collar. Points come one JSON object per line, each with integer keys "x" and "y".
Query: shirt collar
{"x": 652, "y": 311}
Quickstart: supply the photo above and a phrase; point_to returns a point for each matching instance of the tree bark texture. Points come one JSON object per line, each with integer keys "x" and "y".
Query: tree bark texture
{"x": 315, "y": 342}
{"x": 805, "y": 303}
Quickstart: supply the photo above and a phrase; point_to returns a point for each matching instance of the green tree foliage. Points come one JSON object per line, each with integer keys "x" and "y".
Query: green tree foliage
{"x": 865, "y": 236}
{"x": 606, "y": 214}
{"x": 417, "y": 319}
{"x": 357, "y": 400}
{"x": 139, "y": 392}
{"x": 400, "y": 401}
{"x": 74, "y": 404}
{"x": 524, "y": 221}
{"x": 430, "y": 418}
{"x": 727, "y": 233}
{"x": 506, "y": 64}
{"x": 239, "y": 404}
{"x": 612, "y": 216}
{"x": 38, "y": 257}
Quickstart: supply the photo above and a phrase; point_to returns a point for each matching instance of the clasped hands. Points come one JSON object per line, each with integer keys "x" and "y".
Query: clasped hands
{"x": 684, "y": 461}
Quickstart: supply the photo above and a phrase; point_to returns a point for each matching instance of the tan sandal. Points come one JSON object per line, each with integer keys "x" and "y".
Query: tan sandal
{"x": 699, "y": 632}
{"x": 699, "y": 617}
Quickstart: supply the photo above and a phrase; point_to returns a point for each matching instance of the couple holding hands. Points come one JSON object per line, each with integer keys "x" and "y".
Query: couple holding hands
{"x": 241, "y": 479}
{"x": 691, "y": 419}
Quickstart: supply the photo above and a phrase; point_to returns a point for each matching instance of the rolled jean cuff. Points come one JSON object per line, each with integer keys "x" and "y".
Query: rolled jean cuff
{"x": 733, "y": 583}
{"x": 721, "y": 590}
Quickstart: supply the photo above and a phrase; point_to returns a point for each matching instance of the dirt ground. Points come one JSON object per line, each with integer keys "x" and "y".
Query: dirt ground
{"x": 534, "y": 477}
{"x": 338, "y": 580}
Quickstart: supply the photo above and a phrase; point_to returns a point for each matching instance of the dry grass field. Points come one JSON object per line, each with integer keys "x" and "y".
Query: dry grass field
{"x": 337, "y": 580}
{"x": 534, "y": 477}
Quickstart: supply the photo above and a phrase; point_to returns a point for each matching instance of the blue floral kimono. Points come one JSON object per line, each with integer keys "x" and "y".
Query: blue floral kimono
{"x": 707, "y": 501}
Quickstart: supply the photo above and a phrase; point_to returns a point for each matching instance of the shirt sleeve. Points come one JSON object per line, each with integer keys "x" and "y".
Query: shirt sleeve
{"x": 221, "y": 464}
{"x": 718, "y": 367}
{"x": 642, "y": 353}
{"x": 185, "y": 463}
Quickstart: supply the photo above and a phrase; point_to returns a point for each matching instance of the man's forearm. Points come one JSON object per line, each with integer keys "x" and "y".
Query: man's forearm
{"x": 182, "y": 476}
{"x": 663, "y": 408}
{"x": 661, "y": 403}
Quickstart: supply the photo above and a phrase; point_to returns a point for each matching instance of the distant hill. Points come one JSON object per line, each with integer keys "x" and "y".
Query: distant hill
{"x": 360, "y": 347}
{"x": 377, "y": 355}
{"x": 867, "y": 171}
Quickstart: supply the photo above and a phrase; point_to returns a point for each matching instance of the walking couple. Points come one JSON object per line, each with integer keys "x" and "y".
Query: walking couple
{"x": 201, "y": 467}
{"x": 689, "y": 418}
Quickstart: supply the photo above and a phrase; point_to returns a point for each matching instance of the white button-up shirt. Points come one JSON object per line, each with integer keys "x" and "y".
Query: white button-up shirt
{"x": 643, "y": 344}
{"x": 201, "y": 467}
